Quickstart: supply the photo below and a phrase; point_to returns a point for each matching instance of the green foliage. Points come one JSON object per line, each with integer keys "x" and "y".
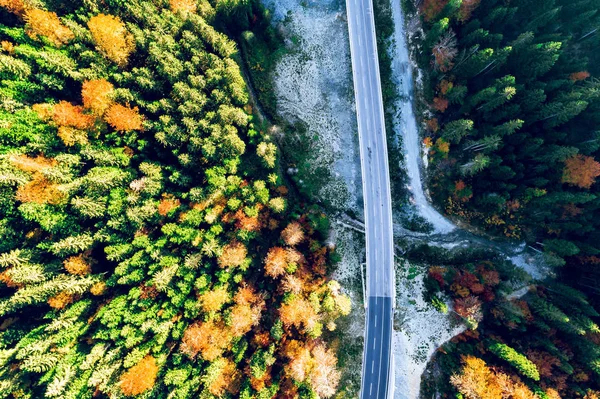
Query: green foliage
{"x": 515, "y": 359}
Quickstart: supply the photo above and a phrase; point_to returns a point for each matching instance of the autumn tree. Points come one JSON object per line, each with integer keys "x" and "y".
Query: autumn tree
{"x": 440, "y": 104}
{"x": 14, "y": 6}
{"x": 245, "y": 316}
{"x": 123, "y": 118}
{"x": 324, "y": 376}
{"x": 78, "y": 265}
{"x": 183, "y": 6}
{"x": 96, "y": 95}
{"x": 207, "y": 338}
{"x": 112, "y": 38}
{"x": 577, "y": 76}
{"x": 139, "y": 378}
{"x": 298, "y": 312}
{"x": 276, "y": 262}
{"x": 466, "y": 9}
{"x": 167, "y": 204}
{"x": 293, "y": 234}
{"x": 39, "y": 190}
{"x": 46, "y": 23}
{"x": 67, "y": 114}
{"x": 213, "y": 300}
{"x": 71, "y": 136}
{"x": 315, "y": 364}
{"x": 431, "y": 8}
{"x": 476, "y": 380}
{"x": 223, "y": 377}
{"x": 444, "y": 52}
{"x": 233, "y": 255}
{"x": 581, "y": 171}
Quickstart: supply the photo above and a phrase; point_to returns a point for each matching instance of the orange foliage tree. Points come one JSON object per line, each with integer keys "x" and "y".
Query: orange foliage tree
{"x": 478, "y": 381}
{"x": 466, "y": 9}
{"x": 27, "y": 164}
{"x": 316, "y": 365}
{"x": 40, "y": 191}
{"x": 46, "y": 23}
{"x": 433, "y": 126}
{"x": 245, "y": 222}
{"x": 324, "y": 377}
{"x": 577, "y": 76}
{"x": 77, "y": 265}
{"x": 112, "y": 38}
{"x": 60, "y": 300}
{"x": 124, "y": 118}
{"x": 581, "y": 171}
{"x": 440, "y": 104}
{"x": 67, "y": 114}
{"x": 96, "y": 95}
{"x": 140, "y": 377}
{"x": 442, "y": 146}
{"x": 7, "y": 46}
{"x": 276, "y": 262}
{"x": 167, "y": 204}
{"x": 244, "y": 316}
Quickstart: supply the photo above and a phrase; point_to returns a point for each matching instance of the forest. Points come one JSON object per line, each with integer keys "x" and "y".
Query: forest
{"x": 150, "y": 245}
{"x": 513, "y": 140}
{"x": 537, "y": 343}
{"x": 513, "y": 133}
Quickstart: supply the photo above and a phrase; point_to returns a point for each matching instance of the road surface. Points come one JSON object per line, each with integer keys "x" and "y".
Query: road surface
{"x": 377, "y": 357}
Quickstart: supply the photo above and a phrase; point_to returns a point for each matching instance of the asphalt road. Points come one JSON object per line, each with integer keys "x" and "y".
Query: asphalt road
{"x": 377, "y": 357}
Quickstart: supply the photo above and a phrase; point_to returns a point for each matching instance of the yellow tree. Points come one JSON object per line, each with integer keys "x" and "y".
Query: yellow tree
{"x": 233, "y": 255}
{"x": 71, "y": 136}
{"x": 214, "y": 300}
{"x": 476, "y": 380}
{"x": 112, "y": 38}
{"x": 45, "y": 23}
{"x": 298, "y": 312}
{"x": 96, "y": 95}
{"x": 183, "y": 6}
